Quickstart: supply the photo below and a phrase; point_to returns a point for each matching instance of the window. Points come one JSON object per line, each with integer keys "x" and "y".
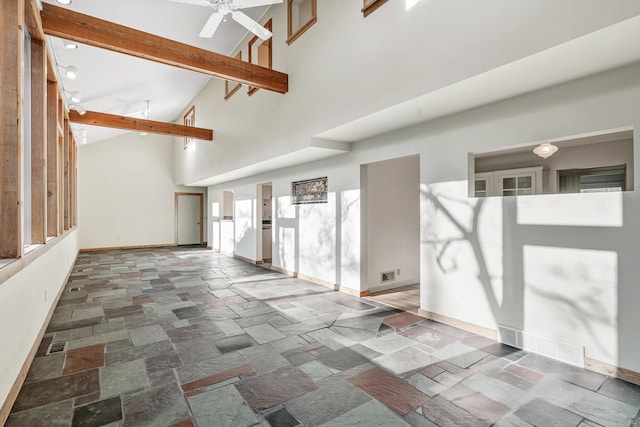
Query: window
{"x": 371, "y": 5}
{"x": 189, "y": 120}
{"x": 592, "y": 180}
{"x": 301, "y": 15}
{"x": 260, "y": 53}
{"x": 232, "y": 87}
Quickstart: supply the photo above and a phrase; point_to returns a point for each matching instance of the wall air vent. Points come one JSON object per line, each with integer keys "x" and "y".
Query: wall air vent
{"x": 387, "y": 276}
{"x": 57, "y": 347}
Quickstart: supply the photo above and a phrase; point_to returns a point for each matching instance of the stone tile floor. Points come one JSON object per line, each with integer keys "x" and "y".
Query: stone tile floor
{"x": 184, "y": 337}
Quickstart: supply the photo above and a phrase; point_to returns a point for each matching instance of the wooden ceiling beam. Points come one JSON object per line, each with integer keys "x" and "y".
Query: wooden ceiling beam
{"x": 66, "y": 24}
{"x": 94, "y": 118}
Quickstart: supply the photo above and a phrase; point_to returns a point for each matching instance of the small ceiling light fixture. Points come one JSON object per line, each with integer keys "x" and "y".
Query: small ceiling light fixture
{"x": 74, "y": 96}
{"x": 78, "y": 108}
{"x": 70, "y": 45}
{"x": 70, "y": 71}
{"x": 545, "y": 150}
{"x": 65, "y": 2}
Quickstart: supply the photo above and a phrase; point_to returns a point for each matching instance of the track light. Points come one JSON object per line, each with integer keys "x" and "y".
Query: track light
{"x": 74, "y": 96}
{"x": 78, "y": 108}
{"x": 70, "y": 71}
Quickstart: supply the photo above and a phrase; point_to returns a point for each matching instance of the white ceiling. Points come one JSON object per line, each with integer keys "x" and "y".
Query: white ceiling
{"x": 119, "y": 84}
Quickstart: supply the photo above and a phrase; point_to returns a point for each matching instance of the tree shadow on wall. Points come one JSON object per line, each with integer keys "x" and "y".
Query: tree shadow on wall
{"x": 467, "y": 232}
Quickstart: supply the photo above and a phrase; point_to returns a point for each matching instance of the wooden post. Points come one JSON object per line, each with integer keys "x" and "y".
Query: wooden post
{"x": 65, "y": 174}
{"x": 38, "y": 142}
{"x": 11, "y": 120}
{"x": 53, "y": 202}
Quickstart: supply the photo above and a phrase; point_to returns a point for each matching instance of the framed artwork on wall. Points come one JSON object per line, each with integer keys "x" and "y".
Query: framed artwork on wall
{"x": 309, "y": 191}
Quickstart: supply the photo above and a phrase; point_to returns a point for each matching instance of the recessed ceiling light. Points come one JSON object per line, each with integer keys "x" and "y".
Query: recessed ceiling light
{"x": 70, "y": 45}
{"x": 64, "y": 1}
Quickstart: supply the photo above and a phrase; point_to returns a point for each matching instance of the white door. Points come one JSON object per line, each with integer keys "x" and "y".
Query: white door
{"x": 188, "y": 219}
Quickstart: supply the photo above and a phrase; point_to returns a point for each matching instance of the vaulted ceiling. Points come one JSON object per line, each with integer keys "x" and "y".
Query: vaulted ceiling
{"x": 119, "y": 84}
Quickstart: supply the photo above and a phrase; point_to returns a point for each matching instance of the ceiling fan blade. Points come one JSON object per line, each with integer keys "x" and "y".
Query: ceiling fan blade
{"x": 254, "y": 3}
{"x": 251, "y": 25}
{"x": 212, "y": 25}
{"x": 196, "y": 2}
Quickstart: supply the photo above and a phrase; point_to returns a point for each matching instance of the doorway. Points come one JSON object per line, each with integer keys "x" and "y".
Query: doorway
{"x": 189, "y": 219}
{"x": 265, "y": 239}
{"x": 391, "y": 231}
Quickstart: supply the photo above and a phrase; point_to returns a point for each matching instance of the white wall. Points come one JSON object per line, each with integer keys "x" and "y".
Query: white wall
{"x": 483, "y": 268}
{"x": 25, "y": 301}
{"x": 346, "y": 67}
{"x": 126, "y": 194}
{"x": 393, "y": 221}
{"x": 479, "y": 259}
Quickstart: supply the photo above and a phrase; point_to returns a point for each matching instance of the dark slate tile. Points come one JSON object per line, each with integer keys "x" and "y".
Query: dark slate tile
{"x": 342, "y": 359}
{"x": 581, "y": 377}
{"x": 44, "y": 346}
{"x": 541, "y": 413}
{"x": 282, "y": 418}
{"x": 389, "y": 390}
{"x": 195, "y": 330}
{"x": 84, "y": 358}
{"x": 98, "y": 414}
{"x": 57, "y": 414}
{"x": 622, "y": 391}
{"x": 141, "y": 352}
{"x": 57, "y": 389}
{"x": 238, "y": 342}
{"x": 429, "y": 336}
{"x": 402, "y": 320}
{"x": 112, "y": 313}
{"x": 446, "y": 414}
{"x": 162, "y": 362}
{"x": 277, "y": 387}
{"x": 513, "y": 380}
{"x": 188, "y": 312}
{"x": 329, "y": 402}
{"x": 355, "y": 304}
{"x": 159, "y": 406}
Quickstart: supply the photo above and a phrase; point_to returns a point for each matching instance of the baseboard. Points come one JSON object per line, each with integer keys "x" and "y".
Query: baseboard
{"x": 394, "y": 285}
{"x": 120, "y": 248}
{"x": 319, "y": 282}
{"x": 612, "y": 370}
{"x": 241, "y": 258}
{"x": 284, "y": 271}
{"x": 460, "y": 324}
{"x": 19, "y": 382}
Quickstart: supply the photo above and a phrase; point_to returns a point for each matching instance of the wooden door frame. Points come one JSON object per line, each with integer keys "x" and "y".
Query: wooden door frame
{"x": 177, "y": 195}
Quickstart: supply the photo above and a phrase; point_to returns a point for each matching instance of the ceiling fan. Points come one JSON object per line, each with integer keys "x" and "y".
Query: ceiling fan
{"x": 222, "y": 8}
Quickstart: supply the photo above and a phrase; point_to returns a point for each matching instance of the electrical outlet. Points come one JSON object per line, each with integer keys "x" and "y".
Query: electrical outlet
{"x": 397, "y": 272}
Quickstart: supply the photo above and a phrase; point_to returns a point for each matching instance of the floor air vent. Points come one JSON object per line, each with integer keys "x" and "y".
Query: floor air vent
{"x": 57, "y": 347}
{"x": 387, "y": 276}
{"x": 76, "y": 289}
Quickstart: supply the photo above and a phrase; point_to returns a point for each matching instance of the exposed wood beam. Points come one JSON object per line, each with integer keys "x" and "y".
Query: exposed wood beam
{"x": 94, "y": 118}
{"x": 60, "y": 22}
{"x": 33, "y": 20}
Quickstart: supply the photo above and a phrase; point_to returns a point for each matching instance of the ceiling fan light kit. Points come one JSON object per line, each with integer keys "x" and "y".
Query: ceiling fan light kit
{"x": 224, "y": 7}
